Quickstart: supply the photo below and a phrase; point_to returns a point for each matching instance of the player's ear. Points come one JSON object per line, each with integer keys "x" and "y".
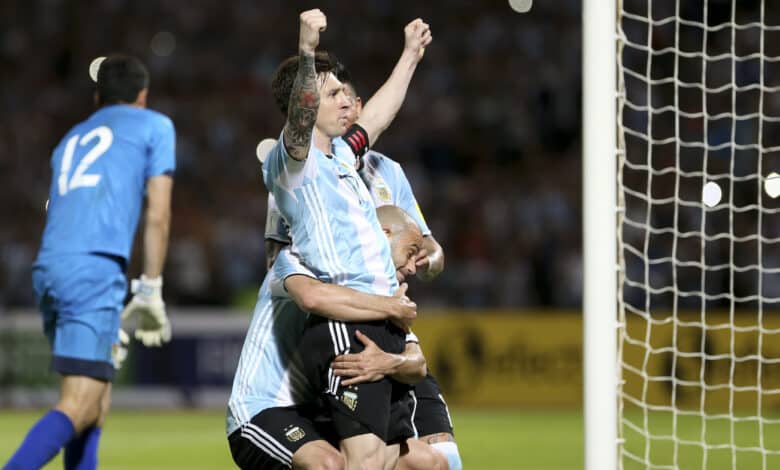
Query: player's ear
{"x": 140, "y": 100}
{"x": 387, "y": 231}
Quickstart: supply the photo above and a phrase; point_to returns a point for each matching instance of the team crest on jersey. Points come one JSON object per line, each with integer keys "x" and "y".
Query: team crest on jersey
{"x": 382, "y": 192}
{"x": 294, "y": 434}
{"x": 350, "y": 399}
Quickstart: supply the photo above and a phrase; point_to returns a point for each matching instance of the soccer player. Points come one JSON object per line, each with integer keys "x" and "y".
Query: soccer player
{"x": 334, "y": 228}
{"x": 102, "y": 168}
{"x": 388, "y": 184}
{"x": 272, "y": 414}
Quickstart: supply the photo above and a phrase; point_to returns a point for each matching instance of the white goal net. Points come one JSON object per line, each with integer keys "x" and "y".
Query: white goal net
{"x": 698, "y": 234}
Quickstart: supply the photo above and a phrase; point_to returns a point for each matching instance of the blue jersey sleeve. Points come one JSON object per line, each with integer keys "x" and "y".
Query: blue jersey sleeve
{"x": 404, "y": 198}
{"x": 162, "y": 148}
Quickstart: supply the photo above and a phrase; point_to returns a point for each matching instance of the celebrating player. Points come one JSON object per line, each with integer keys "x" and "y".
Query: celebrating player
{"x": 334, "y": 228}
{"x": 388, "y": 184}
{"x": 102, "y": 168}
{"x": 272, "y": 416}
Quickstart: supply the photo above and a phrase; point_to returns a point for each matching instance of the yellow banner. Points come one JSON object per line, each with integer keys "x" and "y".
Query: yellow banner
{"x": 505, "y": 359}
{"x": 535, "y": 359}
{"x": 711, "y": 364}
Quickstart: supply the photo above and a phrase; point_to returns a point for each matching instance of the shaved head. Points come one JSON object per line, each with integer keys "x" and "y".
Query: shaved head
{"x": 405, "y": 238}
{"x": 395, "y": 219}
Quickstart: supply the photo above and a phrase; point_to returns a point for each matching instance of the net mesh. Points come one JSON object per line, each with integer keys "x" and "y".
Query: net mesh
{"x": 699, "y": 290}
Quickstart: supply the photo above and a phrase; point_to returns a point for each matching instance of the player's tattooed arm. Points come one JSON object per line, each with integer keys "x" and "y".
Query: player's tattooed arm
{"x": 304, "y": 102}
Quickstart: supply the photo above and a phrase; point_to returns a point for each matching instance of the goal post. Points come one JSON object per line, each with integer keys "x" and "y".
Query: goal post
{"x": 681, "y": 204}
{"x": 599, "y": 244}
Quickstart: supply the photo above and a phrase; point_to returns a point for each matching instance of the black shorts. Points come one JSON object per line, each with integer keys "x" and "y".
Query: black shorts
{"x": 383, "y": 407}
{"x": 430, "y": 414}
{"x": 271, "y": 438}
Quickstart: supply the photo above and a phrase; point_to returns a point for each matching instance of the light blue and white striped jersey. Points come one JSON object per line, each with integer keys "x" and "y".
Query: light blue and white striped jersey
{"x": 385, "y": 180}
{"x": 268, "y": 373}
{"x": 100, "y": 170}
{"x": 332, "y": 218}
{"x": 275, "y": 226}
{"x": 388, "y": 185}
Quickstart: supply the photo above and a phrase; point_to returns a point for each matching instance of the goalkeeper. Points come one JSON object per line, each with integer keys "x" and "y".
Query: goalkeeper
{"x": 102, "y": 168}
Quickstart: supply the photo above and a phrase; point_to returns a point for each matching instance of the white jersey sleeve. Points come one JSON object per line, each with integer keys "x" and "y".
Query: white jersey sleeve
{"x": 276, "y": 227}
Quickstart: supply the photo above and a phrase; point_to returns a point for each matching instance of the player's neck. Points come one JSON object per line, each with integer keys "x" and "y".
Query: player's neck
{"x": 322, "y": 141}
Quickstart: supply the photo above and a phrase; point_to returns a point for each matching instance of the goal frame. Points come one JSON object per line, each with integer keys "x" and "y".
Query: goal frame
{"x": 599, "y": 171}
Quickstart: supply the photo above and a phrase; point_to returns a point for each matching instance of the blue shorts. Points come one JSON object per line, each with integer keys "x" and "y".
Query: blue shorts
{"x": 80, "y": 297}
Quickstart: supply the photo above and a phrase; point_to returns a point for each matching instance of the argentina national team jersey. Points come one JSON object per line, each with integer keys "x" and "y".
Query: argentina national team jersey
{"x": 387, "y": 184}
{"x": 99, "y": 177}
{"x": 332, "y": 218}
{"x": 268, "y": 373}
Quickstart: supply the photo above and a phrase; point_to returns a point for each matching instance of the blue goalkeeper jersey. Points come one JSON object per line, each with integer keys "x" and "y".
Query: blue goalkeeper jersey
{"x": 385, "y": 180}
{"x": 331, "y": 217}
{"x": 99, "y": 173}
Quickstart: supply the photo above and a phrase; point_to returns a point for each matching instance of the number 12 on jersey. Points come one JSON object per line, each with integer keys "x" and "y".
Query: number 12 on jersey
{"x": 80, "y": 177}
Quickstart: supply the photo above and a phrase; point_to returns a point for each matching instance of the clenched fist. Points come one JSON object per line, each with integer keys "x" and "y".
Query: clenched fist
{"x": 313, "y": 22}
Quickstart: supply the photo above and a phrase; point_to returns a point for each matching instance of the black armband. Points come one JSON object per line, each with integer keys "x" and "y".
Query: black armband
{"x": 357, "y": 139}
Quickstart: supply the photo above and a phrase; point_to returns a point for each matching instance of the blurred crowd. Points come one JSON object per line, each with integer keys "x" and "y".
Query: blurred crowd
{"x": 489, "y": 135}
{"x": 718, "y": 253}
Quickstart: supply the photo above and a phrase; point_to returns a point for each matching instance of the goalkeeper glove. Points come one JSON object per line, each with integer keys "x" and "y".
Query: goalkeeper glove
{"x": 152, "y": 326}
{"x": 119, "y": 351}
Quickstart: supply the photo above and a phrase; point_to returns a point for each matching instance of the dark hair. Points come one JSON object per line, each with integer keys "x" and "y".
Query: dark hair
{"x": 120, "y": 78}
{"x": 349, "y": 83}
{"x": 284, "y": 77}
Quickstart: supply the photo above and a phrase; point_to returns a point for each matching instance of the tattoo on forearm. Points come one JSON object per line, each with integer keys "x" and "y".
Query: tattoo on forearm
{"x": 302, "y": 112}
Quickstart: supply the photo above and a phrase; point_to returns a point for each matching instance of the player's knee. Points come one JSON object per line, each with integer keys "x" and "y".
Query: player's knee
{"x": 369, "y": 456}
{"x": 332, "y": 461}
{"x": 319, "y": 458}
{"x": 82, "y": 401}
{"x": 451, "y": 454}
{"x": 422, "y": 457}
{"x": 82, "y": 412}
{"x": 105, "y": 405}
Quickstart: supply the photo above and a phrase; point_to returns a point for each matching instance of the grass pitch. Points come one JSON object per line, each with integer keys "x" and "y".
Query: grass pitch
{"x": 488, "y": 439}
{"x": 505, "y": 439}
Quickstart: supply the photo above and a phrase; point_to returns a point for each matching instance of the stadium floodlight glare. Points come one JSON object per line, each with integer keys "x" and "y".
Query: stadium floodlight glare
{"x": 521, "y": 6}
{"x": 711, "y": 194}
{"x": 772, "y": 185}
{"x": 94, "y": 66}
{"x": 263, "y": 148}
{"x": 694, "y": 91}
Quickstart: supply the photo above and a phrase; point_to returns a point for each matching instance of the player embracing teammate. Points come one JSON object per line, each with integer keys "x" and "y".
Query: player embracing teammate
{"x": 329, "y": 217}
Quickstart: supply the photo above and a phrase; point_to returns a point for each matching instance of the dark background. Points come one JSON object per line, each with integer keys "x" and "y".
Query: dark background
{"x": 488, "y": 136}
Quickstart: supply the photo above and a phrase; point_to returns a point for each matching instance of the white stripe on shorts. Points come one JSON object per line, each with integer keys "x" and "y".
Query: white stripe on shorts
{"x": 267, "y": 444}
{"x": 414, "y": 413}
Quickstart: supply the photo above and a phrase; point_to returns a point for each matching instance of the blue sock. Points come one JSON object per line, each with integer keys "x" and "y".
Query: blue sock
{"x": 81, "y": 451}
{"x": 43, "y": 442}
